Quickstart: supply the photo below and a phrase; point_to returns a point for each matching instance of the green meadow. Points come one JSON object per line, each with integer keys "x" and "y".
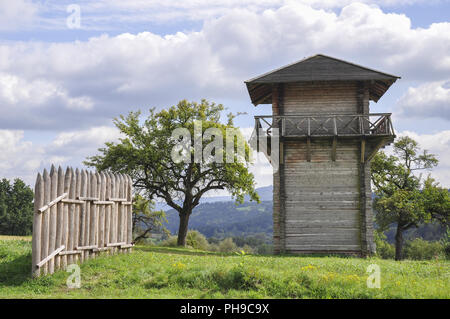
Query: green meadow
{"x": 159, "y": 272}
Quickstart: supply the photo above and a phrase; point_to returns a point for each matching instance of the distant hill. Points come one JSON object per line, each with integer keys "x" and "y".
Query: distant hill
{"x": 226, "y": 219}
{"x": 431, "y": 232}
{"x": 220, "y": 217}
{"x": 265, "y": 194}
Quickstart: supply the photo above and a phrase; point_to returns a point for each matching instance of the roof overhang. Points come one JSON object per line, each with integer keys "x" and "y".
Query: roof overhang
{"x": 318, "y": 68}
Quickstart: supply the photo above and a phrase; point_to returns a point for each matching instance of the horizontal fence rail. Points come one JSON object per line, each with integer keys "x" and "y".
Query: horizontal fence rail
{"x": 78, "y": 214}
{"x": 341, "y": 125}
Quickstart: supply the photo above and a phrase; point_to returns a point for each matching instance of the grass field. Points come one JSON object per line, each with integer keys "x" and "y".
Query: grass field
{"x": 5, "y": 237}
{"x": 157, "y": 272}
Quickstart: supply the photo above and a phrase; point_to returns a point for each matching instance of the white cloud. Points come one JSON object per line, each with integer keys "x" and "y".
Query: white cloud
{"x": 85, "y": 142}
{"x": 261, "y": 168}
{"x": 427, "y": 101}
{"x": 112, "y": 14}
{"x": 75, "y": 88}
{"x": 263, "y": 171}
{"x": 37, "y": 93}
{"x": 17, "y": 14}
{"x": 18, "y": 158}
{"x": 108, "y": 15}
{"x": 383, "y": 3}
{"x": 22, "y": 158}
{"x": 105, "y": 76}
{"x": 438, "y": 144}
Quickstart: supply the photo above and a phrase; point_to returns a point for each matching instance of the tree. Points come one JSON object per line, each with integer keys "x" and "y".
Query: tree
{"x": 402, "y": 196}
{"x": 145, "y": 219}
{"x": 437, "y": 201}
{"x": 16, "y": 208}
{"x": 177, "y": 155}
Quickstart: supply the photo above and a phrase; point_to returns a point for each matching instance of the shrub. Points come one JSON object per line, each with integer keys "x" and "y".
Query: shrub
{"x": 147, "y": 241}
{"x": 384, "y": 249}
{"x": 197, "y": 240}
{"x": 247, "y": 249}
{"x": 447, "y": 250}
{"x": 227, "y": 246}
{"x": 445, "y": 241}
{"x": 420, "y": 249}
{"x": 213, "y": 247}
{"x": 265, "y": 249}
{"x": 170, "y": 242}
{"x": 194, "y": 239}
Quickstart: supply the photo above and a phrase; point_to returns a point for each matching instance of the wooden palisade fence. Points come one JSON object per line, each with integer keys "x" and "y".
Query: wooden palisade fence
{"x": 77, "y": 215}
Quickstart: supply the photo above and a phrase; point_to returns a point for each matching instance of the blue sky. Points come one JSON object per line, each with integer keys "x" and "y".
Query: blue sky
{"x": 60, "y": 87}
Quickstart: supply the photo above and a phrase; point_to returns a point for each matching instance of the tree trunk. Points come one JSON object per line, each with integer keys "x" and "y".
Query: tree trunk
{"x": 398, "y": 243}
{"x": 183, "y": 228}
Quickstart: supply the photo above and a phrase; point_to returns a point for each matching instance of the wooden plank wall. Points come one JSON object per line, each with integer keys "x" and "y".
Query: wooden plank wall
{"x": 334, "y": 97}
{"x": 77, "y": 215}
{"x": 322, "y": 197}
{"x": 323, "y": 207}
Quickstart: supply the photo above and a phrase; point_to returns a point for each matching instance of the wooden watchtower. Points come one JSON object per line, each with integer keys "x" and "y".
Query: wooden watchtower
{"x": 322, "y": 200}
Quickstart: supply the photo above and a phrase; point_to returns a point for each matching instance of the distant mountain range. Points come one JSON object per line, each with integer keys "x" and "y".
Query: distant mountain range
{"x": 265, "y": 194}
{"x": 220, "y": 217}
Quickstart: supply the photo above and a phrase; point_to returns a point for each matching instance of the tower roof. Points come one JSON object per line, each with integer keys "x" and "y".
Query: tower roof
{"x": 318, "y": 68}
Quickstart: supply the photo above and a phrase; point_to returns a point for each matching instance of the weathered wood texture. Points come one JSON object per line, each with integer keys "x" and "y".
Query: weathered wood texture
{"x": 322, "y": 68}
{"x": 278, "y": 199}
{"x": 321, "y": 98}
{"x": 319, "y": 68}
{"x": 322, "y": 198}
{"x": 74, "y": 218}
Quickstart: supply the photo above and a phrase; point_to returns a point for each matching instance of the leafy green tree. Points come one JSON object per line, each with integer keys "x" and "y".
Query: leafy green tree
{"x": 16, "y": 208}
{"x": 445, "y": 241}
{"x": 437, "y": 201}
{"x": 147, "y": 152}
{"x": 146, "y": 219}
{"x": 403, "y": 198}
{"x": 419, "y": 249}
{"x": 384, "y": 249}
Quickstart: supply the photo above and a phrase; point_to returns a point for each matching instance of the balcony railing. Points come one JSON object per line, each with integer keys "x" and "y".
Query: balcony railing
{"x": 338, "y": 125}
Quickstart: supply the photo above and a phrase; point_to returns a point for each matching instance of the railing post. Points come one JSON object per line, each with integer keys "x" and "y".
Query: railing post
{"x": 388, "y": 125}
{"x": 335, "y": 125}
{"x": 257, "y": 133}
{"x": 391, "y": 126}
{"x": 361, "y": 125}
{"x": 309, "y": 126}
{"x": 298, "y": 122}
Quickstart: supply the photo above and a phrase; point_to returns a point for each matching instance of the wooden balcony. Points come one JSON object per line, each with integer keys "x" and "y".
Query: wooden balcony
{"x": 330, "y": 125}
{"x": 376, "y": 129}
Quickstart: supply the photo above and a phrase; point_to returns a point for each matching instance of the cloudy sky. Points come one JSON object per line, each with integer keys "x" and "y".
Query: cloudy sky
{"x": 63, "y": 80}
